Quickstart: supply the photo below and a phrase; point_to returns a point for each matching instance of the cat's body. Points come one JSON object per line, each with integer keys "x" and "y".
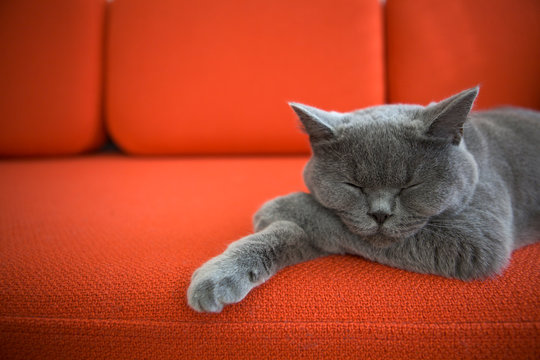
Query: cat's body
{"x": 418, "y": 188}
{"x": 510, "y": 150}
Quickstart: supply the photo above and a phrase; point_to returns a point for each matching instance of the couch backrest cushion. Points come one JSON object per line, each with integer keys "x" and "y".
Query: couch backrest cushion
{"x": 50, "y": 76}
{"x": 436, "y": 48}
{"x": 213, "y": 76}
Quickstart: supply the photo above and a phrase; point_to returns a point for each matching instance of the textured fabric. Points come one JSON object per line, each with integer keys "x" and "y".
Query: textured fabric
{"x": 50, "y": 71}
{"x": 213, "y": 76}
{"x": 437, "y": 48}
{"x": 96, "y": 254}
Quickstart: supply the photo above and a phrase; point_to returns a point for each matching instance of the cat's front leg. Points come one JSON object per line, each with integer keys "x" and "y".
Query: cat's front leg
{"x": 455, "y": 248}
{"x": 246, "y": 263}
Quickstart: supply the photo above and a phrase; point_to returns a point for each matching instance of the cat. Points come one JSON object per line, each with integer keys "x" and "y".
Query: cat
{"x": 434, "y": 189}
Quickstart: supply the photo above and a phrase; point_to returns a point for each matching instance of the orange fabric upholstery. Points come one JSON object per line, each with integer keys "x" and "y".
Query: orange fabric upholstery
{"x": 214, "y": 76}
{"x": 436, "y": 48}
{"x": 50, "y": 71}
{"x": 96, "y": 254}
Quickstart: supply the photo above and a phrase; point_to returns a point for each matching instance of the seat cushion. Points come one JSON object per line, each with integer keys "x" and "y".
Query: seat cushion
{"x": 50, "y": 71}
{"x": 96, "y": 254}
{"x": 437, "y": 48}
{"x": 177, "y": 69}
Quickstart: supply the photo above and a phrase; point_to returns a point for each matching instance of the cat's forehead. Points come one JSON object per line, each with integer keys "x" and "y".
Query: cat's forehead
{"x": 379, "y": 144}
{"x": 381, "y": 126}
{"x": 378, "y": 126}
{"x": 395, "y": 114}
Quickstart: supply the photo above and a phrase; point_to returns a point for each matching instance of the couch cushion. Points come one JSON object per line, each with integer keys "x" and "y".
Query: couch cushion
{"x": 177, "y": 69}
{"x": 96, "y": 255}
{"x": 50, "y": 71}
{"x": 436, "y": 48}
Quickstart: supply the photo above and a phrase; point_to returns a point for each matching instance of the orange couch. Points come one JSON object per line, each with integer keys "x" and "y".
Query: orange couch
{"x": 97, "y": 246}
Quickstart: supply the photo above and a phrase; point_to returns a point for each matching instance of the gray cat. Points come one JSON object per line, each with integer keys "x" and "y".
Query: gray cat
{"x": 428, "y": 189}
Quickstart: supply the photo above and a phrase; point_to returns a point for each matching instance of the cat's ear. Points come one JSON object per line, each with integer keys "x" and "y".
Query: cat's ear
{"x": 446, "y": 118}
{"x": 318, "y": 124}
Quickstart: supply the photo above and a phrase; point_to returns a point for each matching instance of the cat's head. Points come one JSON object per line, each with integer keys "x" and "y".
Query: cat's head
{"x": 386, "y": 170}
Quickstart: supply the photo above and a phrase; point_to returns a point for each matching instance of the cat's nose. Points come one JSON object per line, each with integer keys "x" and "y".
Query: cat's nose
{"x": 379, "y": 216}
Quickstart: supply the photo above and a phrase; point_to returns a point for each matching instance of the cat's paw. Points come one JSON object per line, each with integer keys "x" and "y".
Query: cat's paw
{"x": 220, "y": 281}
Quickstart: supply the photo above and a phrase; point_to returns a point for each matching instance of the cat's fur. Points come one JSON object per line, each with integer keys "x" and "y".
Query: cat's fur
{"x": 428, "y": 189}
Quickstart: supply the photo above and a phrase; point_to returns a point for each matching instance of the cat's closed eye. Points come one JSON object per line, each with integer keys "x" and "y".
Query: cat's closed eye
{"x": 401, "y": 190}
{"x": 357, "y": 187}
{"x": 410, "y": 187}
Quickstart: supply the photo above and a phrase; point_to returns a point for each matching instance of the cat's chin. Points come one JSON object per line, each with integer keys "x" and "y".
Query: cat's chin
{"x": 373, "y": 235}
{"x": 399, "y": 234}
{"x": 381, "y": 241}
{"x": 359, "y": 230}
{"x": 380, "y": 237}
{"x": 384, "y": 236}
